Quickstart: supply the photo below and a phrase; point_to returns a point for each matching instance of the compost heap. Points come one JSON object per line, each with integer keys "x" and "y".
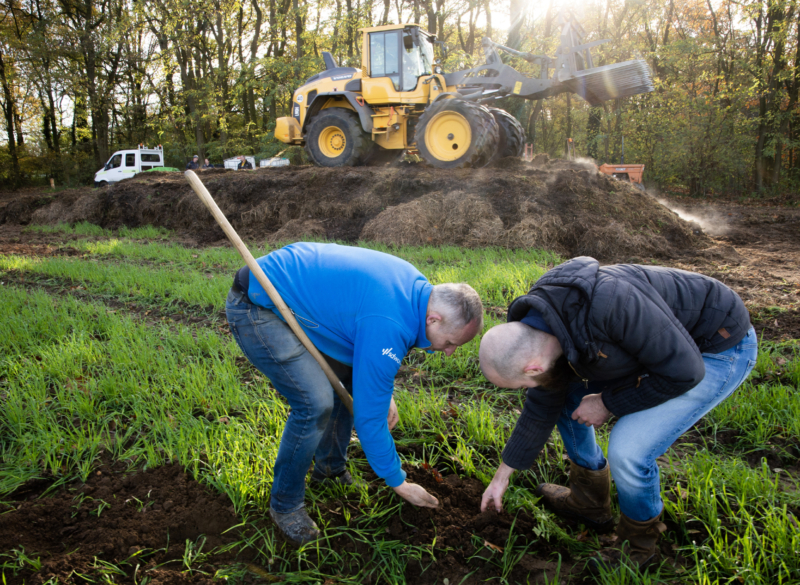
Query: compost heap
{"x": 564, "y": 206}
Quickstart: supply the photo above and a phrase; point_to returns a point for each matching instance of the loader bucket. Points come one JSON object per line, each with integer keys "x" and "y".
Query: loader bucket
{"x": 619, "y": 80}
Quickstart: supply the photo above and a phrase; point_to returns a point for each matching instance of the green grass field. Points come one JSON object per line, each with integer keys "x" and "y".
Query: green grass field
{"x": 98, "y": 360}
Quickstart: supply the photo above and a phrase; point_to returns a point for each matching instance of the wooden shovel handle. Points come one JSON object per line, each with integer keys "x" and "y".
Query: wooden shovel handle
{"x": 273, "y": 293}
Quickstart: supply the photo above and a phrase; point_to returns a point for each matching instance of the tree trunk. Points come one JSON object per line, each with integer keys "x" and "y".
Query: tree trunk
{"x": 385, "y": 18}
{"x": 8, "y": 112}
{"x": 617, "y": 151}
{"x": 18, "y": 127}
{"x": 593, "y": 131}
{"x": 535, "y": 111}
{"x": 488, "y": 9}
{"x": 350, "y": 32}
{"x": 517, "y": 17}
{"x": 298, "y": 28}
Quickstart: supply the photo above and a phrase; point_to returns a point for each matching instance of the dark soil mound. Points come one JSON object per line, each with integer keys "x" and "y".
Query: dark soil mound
{"x": 113, "y": 517}
{"x": 566, "y": 206}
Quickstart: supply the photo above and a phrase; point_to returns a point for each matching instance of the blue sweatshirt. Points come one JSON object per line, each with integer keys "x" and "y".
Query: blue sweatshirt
{"x": 363, "y": 308}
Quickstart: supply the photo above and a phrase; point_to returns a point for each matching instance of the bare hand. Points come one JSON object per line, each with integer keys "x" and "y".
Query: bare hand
{"x": 393, "y": 417}
{"x": 591, "y": 411}
{"x": 416, "y": 494}
{"x": 494, "y": 492}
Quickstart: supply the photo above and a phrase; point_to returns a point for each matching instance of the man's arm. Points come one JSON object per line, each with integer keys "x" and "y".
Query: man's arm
{"x": 647, "y": 330}
{"x": 378, "y": 350}
{"x": 539, "y": 416}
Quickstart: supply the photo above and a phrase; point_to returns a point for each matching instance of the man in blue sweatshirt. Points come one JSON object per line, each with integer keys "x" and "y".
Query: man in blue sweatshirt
{"x": 364, "y": 310}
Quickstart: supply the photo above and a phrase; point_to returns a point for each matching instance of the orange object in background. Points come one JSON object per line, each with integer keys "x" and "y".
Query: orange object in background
{"x": 623, "y": 172}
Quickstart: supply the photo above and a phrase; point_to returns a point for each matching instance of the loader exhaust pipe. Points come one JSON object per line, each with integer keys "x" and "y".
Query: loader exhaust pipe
{"x": 273, "y": 293}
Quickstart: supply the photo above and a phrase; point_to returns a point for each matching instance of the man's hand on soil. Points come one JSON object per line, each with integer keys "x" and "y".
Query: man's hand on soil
{"x": 494, "y": 492}
{"x": 393, "y": 417}
{"x": 416, "y": 494}
{"x": 591, "y": 411}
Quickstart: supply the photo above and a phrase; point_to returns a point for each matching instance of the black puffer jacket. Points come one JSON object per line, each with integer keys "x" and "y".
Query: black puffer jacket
{"x": 644, "y": 327}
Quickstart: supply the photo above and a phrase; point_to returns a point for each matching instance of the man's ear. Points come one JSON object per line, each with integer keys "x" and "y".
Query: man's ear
{"x": 533, "y": 369}
{"x": 433, "y": 318}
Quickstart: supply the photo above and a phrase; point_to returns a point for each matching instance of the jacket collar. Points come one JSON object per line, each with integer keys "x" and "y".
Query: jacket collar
{"x": 423, "y": 290}
{"x": 552, "y": 297}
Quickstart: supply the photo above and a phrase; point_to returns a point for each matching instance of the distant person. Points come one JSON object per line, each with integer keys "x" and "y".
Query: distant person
{"x": 207, "y": 165}
{"x": 244, "y": 163}
{"x": 194, "y": 164}
{"x": 364, "y": 310}
{"x": 656, "y": 347}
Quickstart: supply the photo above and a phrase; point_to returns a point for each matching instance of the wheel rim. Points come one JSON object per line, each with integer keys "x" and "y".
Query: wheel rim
{"x": 448, "y": 136}
{"x": 332, "y": 141}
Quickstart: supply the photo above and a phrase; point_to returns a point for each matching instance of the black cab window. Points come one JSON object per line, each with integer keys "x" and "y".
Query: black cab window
{"x": 130, "y": 159}
{"x": 115, "y": 161}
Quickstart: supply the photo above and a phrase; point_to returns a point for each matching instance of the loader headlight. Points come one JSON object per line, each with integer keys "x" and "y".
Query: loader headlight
{"x": 438, "y": 70}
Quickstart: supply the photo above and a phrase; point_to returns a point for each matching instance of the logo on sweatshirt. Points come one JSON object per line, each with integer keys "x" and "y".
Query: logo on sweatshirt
{"x": 388, "y": 352}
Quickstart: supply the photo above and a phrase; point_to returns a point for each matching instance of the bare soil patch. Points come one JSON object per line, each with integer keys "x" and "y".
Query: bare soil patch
{"x": 469, "y": 543}
{"x": 565, "y": 206}
{"x": 755, "y": 251}
{"x": 143, "y": 518}
{"x": 146, "y": 517}
{"x": 474, "y": 536}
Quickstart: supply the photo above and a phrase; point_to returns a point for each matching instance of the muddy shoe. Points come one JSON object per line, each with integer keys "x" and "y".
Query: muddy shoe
{"x": 297, "y": 526}
{"x": 587, "y": 499}
{"x": 635, "y": 545}
{"x": 343, "y": 478}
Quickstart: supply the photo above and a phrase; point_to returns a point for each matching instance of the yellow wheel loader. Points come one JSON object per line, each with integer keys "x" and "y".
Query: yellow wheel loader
{"x": 401, "y": 99}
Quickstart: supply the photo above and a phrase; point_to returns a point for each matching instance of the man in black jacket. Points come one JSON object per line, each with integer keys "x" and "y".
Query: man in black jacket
{"x": 656, "y": 347}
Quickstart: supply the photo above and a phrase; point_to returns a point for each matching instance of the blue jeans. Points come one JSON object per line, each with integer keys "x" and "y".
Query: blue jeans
{"x": 319, "y": 426}
{"x": 638, "y": 439}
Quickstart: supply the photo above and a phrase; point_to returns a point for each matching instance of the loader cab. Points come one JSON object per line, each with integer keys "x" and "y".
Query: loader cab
{"x": 394, "y": 59}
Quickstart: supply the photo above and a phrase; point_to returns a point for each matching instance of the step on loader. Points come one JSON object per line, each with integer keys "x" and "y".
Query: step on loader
{"x": 401, "y": 99}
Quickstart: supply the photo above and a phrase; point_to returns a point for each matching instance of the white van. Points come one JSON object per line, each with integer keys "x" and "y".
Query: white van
{"x": 124, "y": 164}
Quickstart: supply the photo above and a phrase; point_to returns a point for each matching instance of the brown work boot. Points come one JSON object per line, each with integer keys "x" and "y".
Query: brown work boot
{"x": 636, "y": 544}
{"x": 587, "y": 499}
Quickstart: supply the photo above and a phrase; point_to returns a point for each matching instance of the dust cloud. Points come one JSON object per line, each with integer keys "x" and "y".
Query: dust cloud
{"x": 711, "y": 222}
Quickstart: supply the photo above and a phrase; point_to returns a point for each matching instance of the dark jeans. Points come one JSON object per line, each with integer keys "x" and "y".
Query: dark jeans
{"x": 319, "y": 426}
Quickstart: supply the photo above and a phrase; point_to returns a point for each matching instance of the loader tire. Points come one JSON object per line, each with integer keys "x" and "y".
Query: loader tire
{"x": 512, "y": 135}
{"x": 454, "y": 134}
{"x": 335, "y": 139}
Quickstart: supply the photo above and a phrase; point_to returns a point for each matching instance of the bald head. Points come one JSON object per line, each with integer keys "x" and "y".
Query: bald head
{"x": 512, "y": 355}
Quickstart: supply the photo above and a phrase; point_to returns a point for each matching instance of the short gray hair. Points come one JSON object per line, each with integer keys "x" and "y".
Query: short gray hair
{"x": 458, "y": 303}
